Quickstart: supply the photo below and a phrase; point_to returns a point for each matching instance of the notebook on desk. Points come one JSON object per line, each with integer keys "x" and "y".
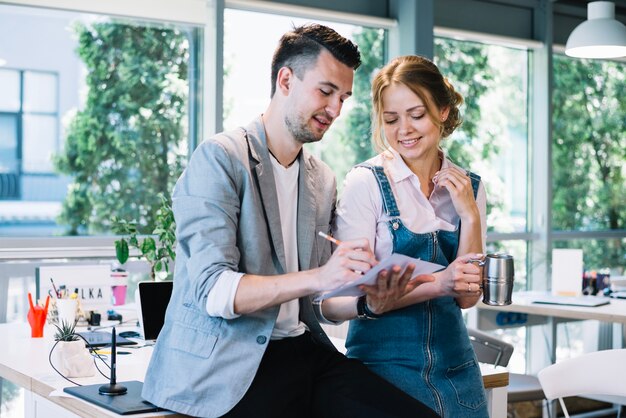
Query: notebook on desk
{"x": 586, "y": 301}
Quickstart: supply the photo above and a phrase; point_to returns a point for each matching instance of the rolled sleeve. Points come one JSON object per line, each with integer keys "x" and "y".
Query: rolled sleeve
{"x": 221, "y": 298}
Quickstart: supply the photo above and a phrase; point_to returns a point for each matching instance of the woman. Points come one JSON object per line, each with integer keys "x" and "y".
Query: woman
{"x": 411, "y": 199}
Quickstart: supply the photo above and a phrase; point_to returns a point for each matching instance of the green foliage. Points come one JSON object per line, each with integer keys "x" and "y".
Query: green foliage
{"x": 466, "y": 65}
{"x": 158, "y": 255}
{"x": 589, "y": 146}
{"x": 473, "y": 72}
{"x": 589, "y": 156}
{"x": 128, "y": 144}
{"x": 65, "y": 331}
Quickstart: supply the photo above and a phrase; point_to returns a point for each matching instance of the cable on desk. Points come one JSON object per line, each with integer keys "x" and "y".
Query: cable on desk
{"x": 92, "y": 350}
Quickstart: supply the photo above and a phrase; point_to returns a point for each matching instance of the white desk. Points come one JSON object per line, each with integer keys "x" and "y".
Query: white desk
{"x": 523, "y": 303}
{"x": 523, "y": 312}
{"x": 24, "y": 361}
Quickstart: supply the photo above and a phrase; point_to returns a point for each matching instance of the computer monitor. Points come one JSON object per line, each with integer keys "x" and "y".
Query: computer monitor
{"x": 152, "y": 298}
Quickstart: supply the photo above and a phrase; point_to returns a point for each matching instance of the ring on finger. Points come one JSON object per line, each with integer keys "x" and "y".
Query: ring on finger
{"x": 469, "y": 288}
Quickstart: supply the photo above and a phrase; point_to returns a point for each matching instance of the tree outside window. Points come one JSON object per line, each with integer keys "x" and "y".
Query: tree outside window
{"x": 129, "y": 143}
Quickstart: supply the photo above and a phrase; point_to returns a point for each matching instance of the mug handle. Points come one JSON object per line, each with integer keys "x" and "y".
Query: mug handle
{"x": 480, "y": 262}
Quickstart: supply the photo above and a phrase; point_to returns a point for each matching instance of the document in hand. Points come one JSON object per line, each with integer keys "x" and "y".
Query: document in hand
{"x": 352, "y": 289}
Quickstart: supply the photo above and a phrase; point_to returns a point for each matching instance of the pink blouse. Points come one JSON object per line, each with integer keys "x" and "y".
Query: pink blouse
{"x": 360, "y": 208}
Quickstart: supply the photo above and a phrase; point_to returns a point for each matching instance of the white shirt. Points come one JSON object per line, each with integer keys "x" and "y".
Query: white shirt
{"x": 221, "y": 298}
{"x": 360, "y": 212}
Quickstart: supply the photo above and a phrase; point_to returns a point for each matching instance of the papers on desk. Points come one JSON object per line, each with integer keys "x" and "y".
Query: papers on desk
{"x": 587, "y": 301}
{"x": 352, "y": 289}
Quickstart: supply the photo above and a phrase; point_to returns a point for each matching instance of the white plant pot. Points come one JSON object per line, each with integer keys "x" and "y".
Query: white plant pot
{"x": 72, "y": 359}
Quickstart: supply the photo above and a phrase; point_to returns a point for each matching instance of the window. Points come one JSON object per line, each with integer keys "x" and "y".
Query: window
{"x": 29, "y": 122}
{"x": 493, "y": 142}
{"x": 588, "y": 160}
{"x": 588, "y": 174}
{"x": 94, "y": 119}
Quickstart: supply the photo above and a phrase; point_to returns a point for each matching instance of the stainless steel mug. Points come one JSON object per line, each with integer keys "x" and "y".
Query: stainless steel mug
{"x": 498, "y": 278}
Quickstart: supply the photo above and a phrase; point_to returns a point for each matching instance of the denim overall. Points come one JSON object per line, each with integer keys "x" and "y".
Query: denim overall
{"x": 424, "y": 349}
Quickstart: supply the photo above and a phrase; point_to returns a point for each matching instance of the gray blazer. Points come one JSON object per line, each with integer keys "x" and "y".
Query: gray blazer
{"x": 227, "y": 218}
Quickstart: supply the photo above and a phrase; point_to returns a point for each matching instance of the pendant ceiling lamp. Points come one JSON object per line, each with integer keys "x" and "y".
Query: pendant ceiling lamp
{"x": 600, "y": 36}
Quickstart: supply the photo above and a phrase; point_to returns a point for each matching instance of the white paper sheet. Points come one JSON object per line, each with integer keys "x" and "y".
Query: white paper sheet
{"x": 352, "y": 289}
{"x": 567, "y": 271}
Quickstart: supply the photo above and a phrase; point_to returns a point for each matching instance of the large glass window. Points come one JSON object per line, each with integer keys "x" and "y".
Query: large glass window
{"x": 493, "y": 139}
{"x": 94, "y": 119}
{"x": 493, "y": 143}
{"x": 589, "y": 178}
{"x": 589, "y": 145}
{"x": 247, "y": 83}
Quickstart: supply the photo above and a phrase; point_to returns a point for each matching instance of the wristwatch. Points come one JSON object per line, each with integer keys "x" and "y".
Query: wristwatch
{"x": 363, "y": 311}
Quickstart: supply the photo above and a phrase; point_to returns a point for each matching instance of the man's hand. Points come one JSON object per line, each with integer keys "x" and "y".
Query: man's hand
{"x": 349, "y": 261}
{"x": 390, "y": 286}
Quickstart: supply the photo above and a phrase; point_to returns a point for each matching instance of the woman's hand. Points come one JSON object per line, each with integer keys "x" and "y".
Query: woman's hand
{"x": 461, "y": 278}
{"x": 459, "y": 185}
{"x": 391, "y": 285}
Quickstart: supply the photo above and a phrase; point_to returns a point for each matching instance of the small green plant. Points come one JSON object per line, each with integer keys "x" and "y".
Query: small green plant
{"x": 66, "y": 331}
{"x": 157, "y": 254}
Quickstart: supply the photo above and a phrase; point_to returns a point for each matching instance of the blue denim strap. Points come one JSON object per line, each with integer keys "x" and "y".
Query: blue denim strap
{"x": 389, "y": 201}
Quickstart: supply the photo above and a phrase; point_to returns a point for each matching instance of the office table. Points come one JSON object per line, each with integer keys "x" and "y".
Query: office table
{"x": 523, "y": 303}
{"x": 523, "y": 312}
{"x": 24, "y": 361}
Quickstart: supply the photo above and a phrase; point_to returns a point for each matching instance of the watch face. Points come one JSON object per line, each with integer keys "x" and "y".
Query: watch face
{"x": 360, "y": 307}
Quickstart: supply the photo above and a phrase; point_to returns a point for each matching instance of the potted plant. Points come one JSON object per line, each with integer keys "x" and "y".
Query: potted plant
{"x": 69, "y": 356}
{"x": 158, "y": 253}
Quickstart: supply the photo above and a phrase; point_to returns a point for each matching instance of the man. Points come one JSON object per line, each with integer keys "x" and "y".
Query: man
{"x": 240, "y": 337}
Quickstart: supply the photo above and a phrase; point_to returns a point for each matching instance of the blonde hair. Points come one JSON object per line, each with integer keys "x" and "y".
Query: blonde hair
{"x": 423, "y": 78}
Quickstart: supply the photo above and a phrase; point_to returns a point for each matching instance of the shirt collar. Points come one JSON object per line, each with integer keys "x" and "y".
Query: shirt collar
{"x": 397, "y": 169}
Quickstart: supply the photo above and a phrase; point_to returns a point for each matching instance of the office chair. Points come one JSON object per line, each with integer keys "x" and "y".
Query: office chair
{"x": 596, "y": 373}
{"x": 491, "y": 350}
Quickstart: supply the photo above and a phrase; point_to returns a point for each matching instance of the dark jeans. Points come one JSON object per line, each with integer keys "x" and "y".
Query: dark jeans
{"x": 301, "y": 378}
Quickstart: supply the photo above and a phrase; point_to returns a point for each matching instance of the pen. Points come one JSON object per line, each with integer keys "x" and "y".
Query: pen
{"x": 56, "y": 292}
{"x": 329, "y": 238}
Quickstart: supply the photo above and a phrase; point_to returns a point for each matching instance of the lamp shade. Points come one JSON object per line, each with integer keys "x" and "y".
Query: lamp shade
{"x": 600, "y": 36}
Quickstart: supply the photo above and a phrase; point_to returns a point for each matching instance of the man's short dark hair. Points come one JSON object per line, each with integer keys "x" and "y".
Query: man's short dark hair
{"x": 298, "y": 49}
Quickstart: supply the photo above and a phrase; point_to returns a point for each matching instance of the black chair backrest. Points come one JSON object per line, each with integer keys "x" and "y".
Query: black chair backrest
{"x": 489, "y": 349}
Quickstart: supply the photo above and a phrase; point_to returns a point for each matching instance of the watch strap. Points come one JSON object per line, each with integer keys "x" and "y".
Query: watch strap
{"x": 363, "y": 311}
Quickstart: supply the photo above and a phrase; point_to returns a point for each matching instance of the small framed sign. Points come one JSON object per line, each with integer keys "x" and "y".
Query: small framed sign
{"x": 91, "y": 282}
